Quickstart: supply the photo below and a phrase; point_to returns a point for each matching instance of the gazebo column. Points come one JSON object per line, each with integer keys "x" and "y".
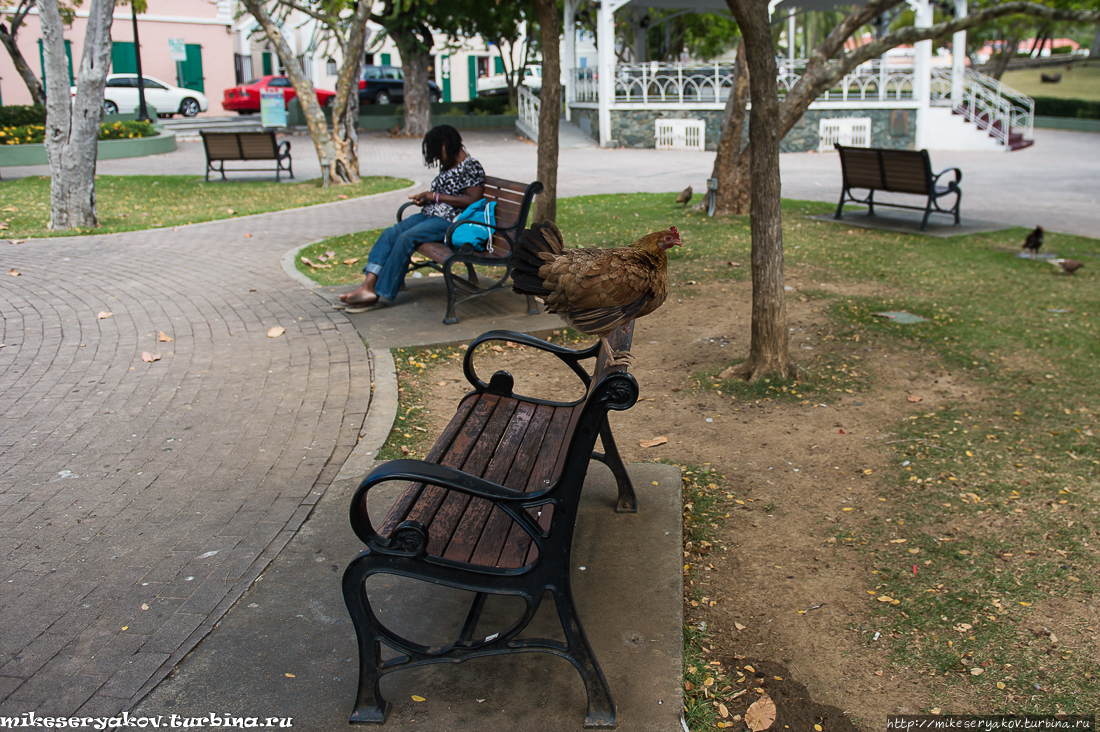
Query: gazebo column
{"x": 958, "y": 58}
{"x": 569, "y": 63}
{"x": 922, "y": 73}
{"x": 605, "y": 68}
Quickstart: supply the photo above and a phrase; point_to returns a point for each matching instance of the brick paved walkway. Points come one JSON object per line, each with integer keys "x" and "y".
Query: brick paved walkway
{"x": 139, "y": 500}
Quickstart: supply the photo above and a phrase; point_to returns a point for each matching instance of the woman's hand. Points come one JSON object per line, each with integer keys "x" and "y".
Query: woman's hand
{"x": 423, "y": 198}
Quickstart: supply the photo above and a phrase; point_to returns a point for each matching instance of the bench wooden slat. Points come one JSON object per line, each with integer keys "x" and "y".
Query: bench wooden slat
{"x": 408, "y": 497}
{"x": 428, "y": 498}
{"x": 515, "y": 550}
{"x": 498, "y": 524}
{"x": 501, "y": 470}
{"x": 450, "y": 511}
{"x": 257, "y": 147}
{"x": 222, "y": 147}
{"x": 895, "y": 171}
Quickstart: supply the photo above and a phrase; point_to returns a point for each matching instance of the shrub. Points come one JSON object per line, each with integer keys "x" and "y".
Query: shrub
{"x": 15, "y": 115}
{"x": 1061, "y": 50}
{"x": 36, "y": 134}
{"x": 495, "y": 104}
{"x": 1054, "y": 107}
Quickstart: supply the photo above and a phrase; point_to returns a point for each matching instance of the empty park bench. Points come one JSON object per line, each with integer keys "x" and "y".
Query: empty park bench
{"x": 491, "y": 510}
{"x": 222, "y": 147}
{"x": 513, "y": 201}
{"x": 896, "y": 171}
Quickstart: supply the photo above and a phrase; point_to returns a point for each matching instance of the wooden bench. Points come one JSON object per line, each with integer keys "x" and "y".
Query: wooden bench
{"x": 491, "y": 510}
{"x": 896, "y": 171}
{"x": 513, "y": 205}
{"x": 228, "y": 146}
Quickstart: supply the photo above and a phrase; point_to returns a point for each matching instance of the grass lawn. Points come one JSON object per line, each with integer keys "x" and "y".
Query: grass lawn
{"x": 1082, "y": 81}
{"x": 134, "y": 202}
{"x": 1019, "y": 468}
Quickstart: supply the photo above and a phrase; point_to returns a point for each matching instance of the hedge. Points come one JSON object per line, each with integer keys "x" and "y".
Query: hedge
{"x": 20, "y": 115}
{"x": 36, "y": 133}
{"x": 1073, "y": 108}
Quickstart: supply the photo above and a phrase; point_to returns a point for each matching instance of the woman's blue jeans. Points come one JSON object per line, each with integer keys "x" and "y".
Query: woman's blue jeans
{"x": 389, "y": 257}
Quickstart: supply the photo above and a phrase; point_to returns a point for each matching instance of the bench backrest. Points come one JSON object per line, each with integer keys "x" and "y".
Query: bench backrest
{"x": 902, "y": 171}
{"x": 239, "y": 145}
{"x": 513, "y": 206}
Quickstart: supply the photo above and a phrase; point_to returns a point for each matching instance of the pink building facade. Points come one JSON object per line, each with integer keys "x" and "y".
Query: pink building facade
{"x": 204, "y": 28}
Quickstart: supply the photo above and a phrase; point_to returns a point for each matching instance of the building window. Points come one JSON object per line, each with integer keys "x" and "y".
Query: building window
{"x": 330, "y": 68}
{"x": 482, "y": 66}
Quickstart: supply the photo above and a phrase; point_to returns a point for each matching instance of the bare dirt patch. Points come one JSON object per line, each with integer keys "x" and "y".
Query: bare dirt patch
{"x": 800, "y": 474}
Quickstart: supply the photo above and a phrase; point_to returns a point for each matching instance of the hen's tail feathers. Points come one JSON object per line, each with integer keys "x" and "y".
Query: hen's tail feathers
{"x": 542, "y": 238}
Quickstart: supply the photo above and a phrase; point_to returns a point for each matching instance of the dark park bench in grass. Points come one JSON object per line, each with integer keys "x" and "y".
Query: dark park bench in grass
{"x": 896, "y": 171}
{"x": 223, "y": 147}
{"x": 513, "y": 205}
{"x": 491, "y": 510}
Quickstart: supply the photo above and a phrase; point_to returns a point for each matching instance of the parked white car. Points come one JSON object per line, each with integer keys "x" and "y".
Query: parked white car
{"x": 121, "y": 95}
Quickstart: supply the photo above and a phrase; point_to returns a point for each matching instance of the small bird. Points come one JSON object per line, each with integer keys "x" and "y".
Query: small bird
{"x": 593, "y": 290}
{"x": 684, "y": 197}
{"x": 1034, "y": 240}
{"x": 1068, "y": 265}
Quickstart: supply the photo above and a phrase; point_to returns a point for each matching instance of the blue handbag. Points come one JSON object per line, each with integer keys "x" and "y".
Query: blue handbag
{"x": 479, "y": 216}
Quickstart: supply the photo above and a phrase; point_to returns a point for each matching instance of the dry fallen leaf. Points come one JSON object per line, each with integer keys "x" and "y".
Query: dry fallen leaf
{"x": 760, "y": 714}
{"x": 164, "y": 337}
{"x": 353, "y": 260}
{"x": 104, "y": 314}
{"x": 247, "y": 236}
{"x": 275, "y": 331}
{"x": 342, "y": 196}
{"x": 230, "y": 211}
{"x": 913, "y": 398}
{"x": 654, "y": 442}
{"x": 14, "y": 272}
{"x": 144, "y": 606}
{"x": 149, "y": 357}
{"x": 722, "y": 710}
{"x": 739, "y": 626}
{"x": 290, "y": 676}
{"x": 305, "y": 260}
{"x": 417, "y": 698}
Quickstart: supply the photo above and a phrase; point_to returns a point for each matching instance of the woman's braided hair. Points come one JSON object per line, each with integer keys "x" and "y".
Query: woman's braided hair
{"x": 438, "y": 138}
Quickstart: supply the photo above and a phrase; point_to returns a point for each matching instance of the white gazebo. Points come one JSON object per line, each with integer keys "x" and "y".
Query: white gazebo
{"x": 913, "y": 103}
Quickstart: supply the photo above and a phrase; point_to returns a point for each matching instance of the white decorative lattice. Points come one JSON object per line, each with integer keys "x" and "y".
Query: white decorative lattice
{"x": 849, "y": 131}
{"x": 680, "y": 134}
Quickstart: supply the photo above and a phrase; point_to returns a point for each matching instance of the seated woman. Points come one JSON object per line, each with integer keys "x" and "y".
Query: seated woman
{"x": 460, "y": 182}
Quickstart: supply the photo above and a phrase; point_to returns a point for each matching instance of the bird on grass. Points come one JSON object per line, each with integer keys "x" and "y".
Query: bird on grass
{"x": 1068, "y": 265}
{"x": 684, "y": 197}
{"x": 595, "y": 291}
{"x": 1034, "y": 240}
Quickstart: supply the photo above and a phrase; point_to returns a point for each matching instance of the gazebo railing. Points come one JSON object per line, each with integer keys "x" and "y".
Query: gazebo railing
{"x": 663, "y": 83}
{"x": 988, "y": 103}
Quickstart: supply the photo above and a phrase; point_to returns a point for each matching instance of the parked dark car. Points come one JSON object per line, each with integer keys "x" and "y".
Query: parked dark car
{"x": 386, "y": 85}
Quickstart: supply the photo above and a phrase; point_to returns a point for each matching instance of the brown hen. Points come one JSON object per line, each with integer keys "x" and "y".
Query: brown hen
{"x": 595, "y": 291}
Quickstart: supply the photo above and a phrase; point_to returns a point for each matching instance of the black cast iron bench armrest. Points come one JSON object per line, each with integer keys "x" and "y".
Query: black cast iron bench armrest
{"x": 511, "y": 501}
{"x": 951, "y": 184}
{"x": 569, "y": 356}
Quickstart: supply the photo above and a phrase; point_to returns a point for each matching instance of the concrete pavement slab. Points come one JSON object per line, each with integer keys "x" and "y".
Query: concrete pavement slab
{"x": 288, "y": 648}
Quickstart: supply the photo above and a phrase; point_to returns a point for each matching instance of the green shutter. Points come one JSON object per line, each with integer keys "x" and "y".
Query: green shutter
{"x": 472, "y": 60}
{"x": 123, "y": 58}
{"x": 386, "y": 59}
{"x": 189, "y": 72}
{"x": 68, "y": 55}
{"x": 498, "y": 65}
{"x": 265, "y": 60}
{"x": 445, "y": 75}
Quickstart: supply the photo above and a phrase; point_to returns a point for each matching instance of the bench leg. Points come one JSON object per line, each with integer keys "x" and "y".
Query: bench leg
{"x": 840, "y": 206}
{"x": 927, "y": 213}
{"x": 601, "y": 708}
{"x": 449, "y": 280}
{"x": 871, "y": 203}
{"x": 532, "y": 306}
{"x": 370, "y": 707}
{"x": 628, "y": 502}
{"x": 958, "y": 208}
{"x": 471, "y": 274}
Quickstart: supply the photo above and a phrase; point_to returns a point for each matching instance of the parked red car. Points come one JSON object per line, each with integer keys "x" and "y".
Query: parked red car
{"x": 245, "y": 99}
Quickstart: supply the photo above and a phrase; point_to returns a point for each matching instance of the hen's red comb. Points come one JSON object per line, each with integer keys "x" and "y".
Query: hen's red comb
{"x": 673, "y": 230}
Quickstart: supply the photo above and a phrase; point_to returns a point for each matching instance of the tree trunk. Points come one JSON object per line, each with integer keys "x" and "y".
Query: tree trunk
{"x": 1007, "y": 54}
{"x": 345, "y": 107}
{"x": 768, "y": 349}
{"x": 418, "y": 109}
{"x": 731, "y": 163}
{"x": 1094, "y": 52}
{"x": 38, "y": 94}
{"x": 546, "y": 203}
{"x": 72, "y": 123}
{"x": 340, "y": 168}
